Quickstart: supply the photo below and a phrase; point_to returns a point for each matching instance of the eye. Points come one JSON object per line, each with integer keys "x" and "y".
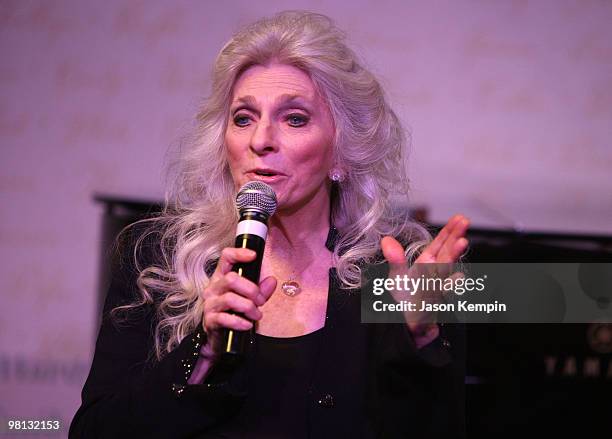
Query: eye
{"x": 241, "y": 120}
{"x": 297, "y": 120}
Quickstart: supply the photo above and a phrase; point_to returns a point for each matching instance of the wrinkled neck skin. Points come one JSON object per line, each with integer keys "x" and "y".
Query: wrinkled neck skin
{"x": 296, "y": 237}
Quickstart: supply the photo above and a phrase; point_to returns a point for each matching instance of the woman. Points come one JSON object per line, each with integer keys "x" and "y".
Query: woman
{"x": 292, "y": 107}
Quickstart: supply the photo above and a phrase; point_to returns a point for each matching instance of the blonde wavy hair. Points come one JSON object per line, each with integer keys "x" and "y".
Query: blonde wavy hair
{"x": 199, "y": 218}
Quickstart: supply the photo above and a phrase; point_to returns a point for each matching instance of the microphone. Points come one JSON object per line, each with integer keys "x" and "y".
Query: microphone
{"x": 256, "y": 203}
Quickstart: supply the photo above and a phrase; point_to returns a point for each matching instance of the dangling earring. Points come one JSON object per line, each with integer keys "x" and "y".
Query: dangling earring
{"x": 337, "y": 175}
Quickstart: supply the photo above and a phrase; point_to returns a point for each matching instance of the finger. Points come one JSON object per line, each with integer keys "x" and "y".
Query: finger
{"x": 237, "y": 304}
{"x": 460, "y": 247}
{"x": 216, "y": 321}
{"x": 230, "y": 256}
{"x": 441, "y": 248}
{"x": 266, "y": 288}
{"x": 456, "y": 244}
{"x": 459, "y": 230}
{"x": 393, "y": 252}
{"x": 233, "y": 282}
{"x": 445, "y": 262}
{"x": 431, "y": 251}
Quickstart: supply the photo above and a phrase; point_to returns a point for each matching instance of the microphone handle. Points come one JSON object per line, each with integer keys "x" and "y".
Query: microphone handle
{"x": 236, "y": 343}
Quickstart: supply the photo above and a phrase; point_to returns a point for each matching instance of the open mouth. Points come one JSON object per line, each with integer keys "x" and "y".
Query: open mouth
{"x": 266, "y": 173}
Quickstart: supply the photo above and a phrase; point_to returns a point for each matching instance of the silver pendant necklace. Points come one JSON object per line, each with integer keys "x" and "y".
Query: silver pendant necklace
{"x": 291, "y": 287}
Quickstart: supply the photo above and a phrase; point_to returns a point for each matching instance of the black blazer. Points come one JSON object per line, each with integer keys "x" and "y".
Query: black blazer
{"x": 369, "y": 380}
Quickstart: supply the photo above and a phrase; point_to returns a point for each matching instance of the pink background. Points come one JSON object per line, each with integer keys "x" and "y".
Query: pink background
{"x": 509, "y": 103}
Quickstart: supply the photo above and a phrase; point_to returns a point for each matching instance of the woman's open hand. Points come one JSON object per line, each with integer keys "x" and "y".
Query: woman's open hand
{"x": 446, "y": 247}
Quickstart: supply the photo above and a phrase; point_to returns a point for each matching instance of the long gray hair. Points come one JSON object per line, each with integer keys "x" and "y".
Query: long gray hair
{"x": 199, "y": 218}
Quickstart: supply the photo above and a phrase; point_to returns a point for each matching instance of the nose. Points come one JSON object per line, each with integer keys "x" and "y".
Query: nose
{"x": 263, "y": 140}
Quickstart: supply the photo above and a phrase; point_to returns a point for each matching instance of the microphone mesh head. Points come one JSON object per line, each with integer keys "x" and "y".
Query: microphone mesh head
{"x": 256, "y": 195}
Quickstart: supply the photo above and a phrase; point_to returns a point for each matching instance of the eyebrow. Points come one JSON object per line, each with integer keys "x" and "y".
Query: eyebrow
{"x": 286, "y": 100}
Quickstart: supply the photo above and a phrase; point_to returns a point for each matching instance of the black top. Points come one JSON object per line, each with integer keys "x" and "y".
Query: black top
{"x": 368, "y": 380}
{"x": 279, "y": 391}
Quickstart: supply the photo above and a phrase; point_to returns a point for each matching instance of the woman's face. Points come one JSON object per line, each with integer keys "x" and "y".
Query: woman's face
{"x": 280, "y": 131}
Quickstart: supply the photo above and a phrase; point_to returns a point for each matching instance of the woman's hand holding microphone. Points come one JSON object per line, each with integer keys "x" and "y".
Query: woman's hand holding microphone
{"x": 226, "y": 298}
